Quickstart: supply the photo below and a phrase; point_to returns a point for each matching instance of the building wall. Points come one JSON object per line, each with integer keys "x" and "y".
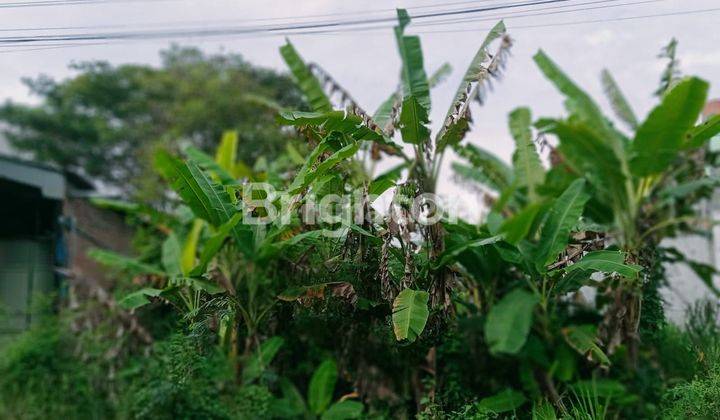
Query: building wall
{"x": 685, "y": 287}
{"x": 92, "y": 227}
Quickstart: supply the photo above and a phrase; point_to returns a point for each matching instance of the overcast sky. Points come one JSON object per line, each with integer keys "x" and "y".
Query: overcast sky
{"x": 366, "y": 62}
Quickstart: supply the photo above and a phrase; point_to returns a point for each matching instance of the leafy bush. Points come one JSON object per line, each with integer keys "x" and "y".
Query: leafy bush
{"x": 182, "y": 380}
{"x": 697, "y": 396}
{"x": 41, "y": 377}
{"x": 390, "y": 317}
{"x": 697, "y": 399}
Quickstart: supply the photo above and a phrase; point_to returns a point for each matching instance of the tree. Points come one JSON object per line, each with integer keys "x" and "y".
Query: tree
{"x": 107, "y": 120}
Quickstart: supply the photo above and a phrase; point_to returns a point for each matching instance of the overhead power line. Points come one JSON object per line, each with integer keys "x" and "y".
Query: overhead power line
{"x": 534, "y": 13}
{"x": 484, "y": 18}
{"x": 589, "y": 21}
{"x": 258, "y": 29}
{"x": 338, "y": 31}
{"x": 54, "y": 3}
{"x": 210, "y": 23}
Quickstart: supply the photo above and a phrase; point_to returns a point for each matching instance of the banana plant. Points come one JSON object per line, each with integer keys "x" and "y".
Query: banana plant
{"x": 543, "y": 262}
{"x": 208, "y": 256}
{"x": 640, "y": 188}
{"x": 630, "y": 175}
{"x": 405, "y": 112}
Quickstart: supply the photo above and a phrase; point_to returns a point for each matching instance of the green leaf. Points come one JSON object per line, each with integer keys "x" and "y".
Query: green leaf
{"x": 386, "y": 180}
{"x": 207, "y": 199}
{"x": 291, "y": 405}
{"x": 563, "y": 215}
{"x": 270, "y": 248}
{"x": 671, "y": 72}
{"x": 308, "y": 83}
{"x": 214, "y": 243}
{"x": 451, "y": 254}
{"x": 580, "y": 105}
{"x": 322, "y": 386}
{"x": 528, "y": 171}
{"x": 294, "y": 154}
{"x": 503, "y": 402}
{"x": 453, "y": 134}
{"x": 584, "y": 340}
{"x": 449, "y": 136}
{"x": 600, "y": 388}
{"x": 147, "y": 213}
{"x": 262, "y": 101}
{"x": 439, "y": 75}
{"x": 415, "y": 82}
{"x": 663, "y": 133}
{"x": 517, "y": 227}
{"x": 138, "y": 298}
{"x": 207, "y": 163}
{"x": 413, "y": 120}
{"x": 343, "y": 410}
{"x": 171, "y": 255}
{"x": 701, "y": 133}
{"x": 508, "y": 322}
{"x": 204, "y": 285}
{"x": 115, "y": 205}
{"x": 115, "y": 260}
{"x": 340, "y": 289}
{"x": 410, "y": 313}
{"x": 339, "y": 121}
{"x": 471, "y": 175}
{"x": 606, "y": 262}
{"x": 543, "y": 410}
{"x": 587, "y": 154}
{"x": 383, "y": 115}
{"x": 619, "y": 104}
{"x": 573, "y": 280}
{"x": 262, "y": 358}
{"x": 684, "y": 189}
{"x": 706, "y": 273}
{"x": 312, "y": 170}
{"x": 486, "y": 169}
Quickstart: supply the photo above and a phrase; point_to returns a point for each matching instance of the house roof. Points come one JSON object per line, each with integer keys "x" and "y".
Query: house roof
{"x": 53, "y": 182}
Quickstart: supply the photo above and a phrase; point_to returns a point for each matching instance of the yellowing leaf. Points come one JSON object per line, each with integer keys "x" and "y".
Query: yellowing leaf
{"x": 189, "y": 250}
{"x": 226, "y": 154}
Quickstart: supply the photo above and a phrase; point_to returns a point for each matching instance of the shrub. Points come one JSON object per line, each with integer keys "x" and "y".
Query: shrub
{"x": 697, "y": 399}
{"x": 41, "y": 377}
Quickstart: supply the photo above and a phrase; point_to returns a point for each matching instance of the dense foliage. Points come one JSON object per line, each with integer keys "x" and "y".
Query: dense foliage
{"x": 106, "y": 121}
{"x": 547, "y": 309}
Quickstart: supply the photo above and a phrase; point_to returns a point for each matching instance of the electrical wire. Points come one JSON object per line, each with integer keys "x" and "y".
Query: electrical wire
{"x": 53, "y": 3}
{"x": 485, "y": 18}
{"x": 450, "y": 31}
{"x": 208, "y": 23}
{"x": 259, "y": 29}
{"x": 588, "y": 21}
{"x": 509, "y": 16}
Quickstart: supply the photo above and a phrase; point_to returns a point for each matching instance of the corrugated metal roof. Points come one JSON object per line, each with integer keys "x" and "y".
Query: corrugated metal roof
{"x": 52, "y": 181}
